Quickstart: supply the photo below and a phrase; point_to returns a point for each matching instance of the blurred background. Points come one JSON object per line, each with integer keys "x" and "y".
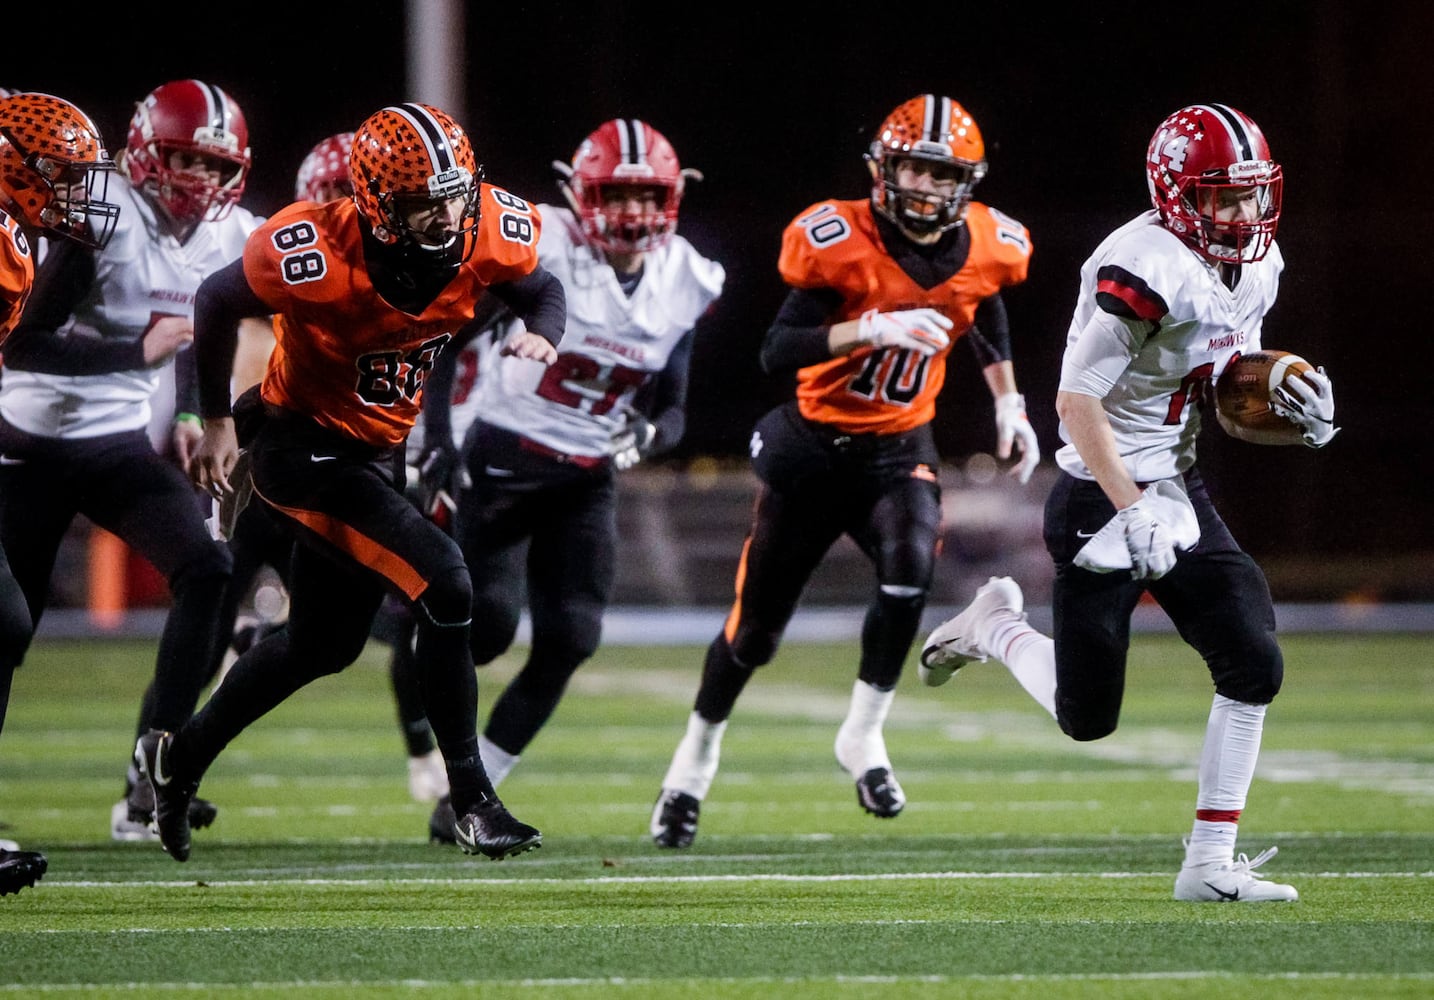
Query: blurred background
{"x": 777, "y": 108}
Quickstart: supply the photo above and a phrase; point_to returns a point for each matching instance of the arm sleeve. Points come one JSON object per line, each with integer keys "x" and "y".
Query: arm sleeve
{"x": 798, "y": 336}
{"x": 538, "y": 300}
{"x": 224, "y": 298}
{"x": 1094, "y": 362}
{"x": 64, "y": 277}
{"x": 438, "y": 396}
{"x": 990, "y": 335}
{"x": 669, "y": 397}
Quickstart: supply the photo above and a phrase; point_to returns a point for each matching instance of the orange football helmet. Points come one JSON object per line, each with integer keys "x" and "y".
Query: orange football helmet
{"x": 938, "y": 131}
{"x": 54, "y": 171}
{"x": 413, "y": 152}
{"x": 192, "y": 118}
{"x": 324, "y": 174}
{"x": 624, "y": 152}
{"x": 1196, "y": 153}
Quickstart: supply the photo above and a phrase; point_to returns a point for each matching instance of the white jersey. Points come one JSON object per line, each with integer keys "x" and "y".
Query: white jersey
{"x": 612, "y": 345}
{"x": 139, "y": 276}
{"x": 1153, "y": 326}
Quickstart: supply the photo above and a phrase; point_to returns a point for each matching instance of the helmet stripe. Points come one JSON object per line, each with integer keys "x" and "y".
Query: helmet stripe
{"x": 428, "y": 129}
{"x": 1239, "y": 135}
{"x": 218, "y": 108}
{"x": 631, "y": 140}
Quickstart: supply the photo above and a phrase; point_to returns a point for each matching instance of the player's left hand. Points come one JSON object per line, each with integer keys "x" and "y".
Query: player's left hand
{"x": 532, "y": 346}
{"x": 631, "y": 442}
{"x": 1012, "y": 427}
{"x": 1307, "y": 400}
{"x": 185, "y": 436}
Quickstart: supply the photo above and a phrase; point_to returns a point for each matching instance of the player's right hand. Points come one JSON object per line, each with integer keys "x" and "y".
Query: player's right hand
{"x": 1151, "y": 545}
{"x": 919, "y": 330}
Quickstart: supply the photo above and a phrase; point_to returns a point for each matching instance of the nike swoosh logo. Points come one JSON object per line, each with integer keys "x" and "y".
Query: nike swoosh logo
{"x": 1086, "y": 534}
{"x": 322, "y": 458}
{"x": 465, "y": 835}
{"x": 493, "y": 470}
{"x": 160, "y": 778}
{"x": 1229, "y": 897}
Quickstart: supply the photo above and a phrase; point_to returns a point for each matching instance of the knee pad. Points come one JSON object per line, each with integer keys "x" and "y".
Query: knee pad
{"x": 447, "y": 602}
{"x": 1251, "y": 670}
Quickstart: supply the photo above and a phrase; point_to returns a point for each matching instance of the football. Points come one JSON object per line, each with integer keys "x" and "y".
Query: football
{"x": 1242, "y": 397}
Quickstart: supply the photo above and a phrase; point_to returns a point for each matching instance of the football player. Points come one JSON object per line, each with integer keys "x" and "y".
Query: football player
{"x": 1166, "y": 302}
{"x": 54, "y": 179}
{"x": 82, "y": 377}
{"x": 367, "y": 293}
{"x": 539, "y": 516}
{"x": 881, "y": 289}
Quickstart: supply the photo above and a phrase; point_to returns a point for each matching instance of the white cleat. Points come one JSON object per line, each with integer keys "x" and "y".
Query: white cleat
{"x": 956, "y": 642}
{"x": 1232, "y": 882}
{"x": 427, "y": 777}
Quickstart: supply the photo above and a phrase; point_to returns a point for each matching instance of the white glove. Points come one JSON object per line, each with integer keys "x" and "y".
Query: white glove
{"x": 1161, "y": 518}
{"x": 1309, "y": 406}
{"x": 630, "y": 442}
{"x": 919, "y": 330}
{"x": 1012, "y": 426}
{"x": 1149, "y": 542}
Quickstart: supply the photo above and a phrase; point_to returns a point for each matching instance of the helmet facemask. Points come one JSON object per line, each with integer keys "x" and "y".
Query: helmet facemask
{"x": 398, "y": 208}
{"x": 190, "y": 197}
{"x": 1235, "y": 241}
{"x": 924, "y": 212}
{"x": 73, "y": 204}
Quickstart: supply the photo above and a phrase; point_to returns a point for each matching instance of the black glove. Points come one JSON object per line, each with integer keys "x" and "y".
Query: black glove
{"x": 438, "y": 469}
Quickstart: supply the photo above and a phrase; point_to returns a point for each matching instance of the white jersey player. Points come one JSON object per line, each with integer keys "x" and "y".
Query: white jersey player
{"x": 1166, "y": 302}
{"x": 80, "y": 380}
{"x": 538, "y": 513}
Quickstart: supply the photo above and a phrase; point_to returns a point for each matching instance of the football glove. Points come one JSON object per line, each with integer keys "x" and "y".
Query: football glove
{"x": 1149, "y": 541}
{"x": 1310, "y": 406}
{"x": 919, "y": 330}
{"x": 1012, "y": 426}
{"x": 438, "y": 470}
{"x": 631, "y": 442}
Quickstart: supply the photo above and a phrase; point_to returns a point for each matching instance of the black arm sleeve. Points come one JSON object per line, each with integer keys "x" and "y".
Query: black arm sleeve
{"x": 668, "y": 403}
{"x": 223, "y": 299}
{"x": 437, "y": 414}
{"x": 990, "y": 335}
{"x": 798, "y": 336}
{"x": 539, "y": 301}
{"x": 64, "y": 277}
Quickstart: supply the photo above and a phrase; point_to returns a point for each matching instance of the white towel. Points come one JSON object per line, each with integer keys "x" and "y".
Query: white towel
{"x": 1106, "y": 552}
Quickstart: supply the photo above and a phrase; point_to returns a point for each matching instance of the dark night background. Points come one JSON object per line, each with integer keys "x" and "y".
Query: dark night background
{"x": 777, "y": 107}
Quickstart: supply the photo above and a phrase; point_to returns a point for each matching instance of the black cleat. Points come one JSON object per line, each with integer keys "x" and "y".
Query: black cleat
{"x": 19, "y": 869}
{"x": 674, "y": 819}
{"x": 490, "y": 830}
{"x": 172, "y": 797}
{"x": 441, "y": 823}
{"x": 132, "y": 818}
{"x": 879, "y": 793}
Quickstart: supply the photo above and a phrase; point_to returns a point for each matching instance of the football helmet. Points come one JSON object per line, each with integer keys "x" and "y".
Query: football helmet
{"x": 1196, "y": 154}
{"x": 324, "y": 174}
{"x": 193, "y": 119}
{"x": 936, "y": 130}
{"x": 624, "y": 153}
{"x": 413, "y": 152}
{"x": 54, "y": 171}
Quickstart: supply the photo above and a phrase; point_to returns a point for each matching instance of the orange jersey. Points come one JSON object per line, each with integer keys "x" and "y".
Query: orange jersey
{"x": 836, "y": 245}
{"x": 17, "y": 274}
{"x": 342, "y": 355}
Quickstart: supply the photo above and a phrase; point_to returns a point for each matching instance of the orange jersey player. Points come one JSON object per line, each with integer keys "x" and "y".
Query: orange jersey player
{"x": 53, "y": 180}
{"x": 367, "y": 292}
{"x": 880, "y": 290}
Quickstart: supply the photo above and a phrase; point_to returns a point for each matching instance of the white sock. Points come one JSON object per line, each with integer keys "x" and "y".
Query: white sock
{"x": 496, "y": 761}
{"x": 694, "y": 762}
{"x": 860, "y": 745}
{"x": 1227, "y": 767}
{"x": 1028, "y": 655}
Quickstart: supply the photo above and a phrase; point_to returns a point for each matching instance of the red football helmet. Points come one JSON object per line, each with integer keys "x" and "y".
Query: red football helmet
{"x": 54, "y": 171}
{"x": 624, "y": 153}
{"x": 938, "y": 131}
{"x": 324, "y": 174}
{"x": 193, "y": 119}
{"x": 1195, "y": 155}
{"x": 410, "y": 152}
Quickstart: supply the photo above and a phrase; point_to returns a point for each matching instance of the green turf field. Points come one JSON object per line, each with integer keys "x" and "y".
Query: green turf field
{"x": 1025, "y": 865}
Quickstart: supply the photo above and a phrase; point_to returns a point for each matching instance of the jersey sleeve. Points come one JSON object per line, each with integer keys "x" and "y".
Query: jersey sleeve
{"x": 1006, "y": 243}
{"x": 812, "y": 246}
{"x": 291, "y": 258}
{"x": 509, "y": 228}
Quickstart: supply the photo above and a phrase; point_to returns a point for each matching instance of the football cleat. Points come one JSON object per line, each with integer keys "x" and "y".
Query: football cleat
{"x": 674, "y": 819}
{"x": 441, "y": 823}
{"x": 19, "y": 869}
{"x": 132, "y": 817}
{"x": 879, "y": 793}
{"x": 172, "y": 797}
{"x": 956, "y": 642}
{"x": 1232, "y": 882}
{"x": 427, "y": 777}
{"x": 492, "y": 831}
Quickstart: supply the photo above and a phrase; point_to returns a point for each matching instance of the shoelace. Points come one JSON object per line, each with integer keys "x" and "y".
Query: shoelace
{"x": 1247, "y": 866}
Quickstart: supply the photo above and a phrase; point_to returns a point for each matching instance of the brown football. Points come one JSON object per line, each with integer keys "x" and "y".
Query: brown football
{"x": 1242, "y": 396}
